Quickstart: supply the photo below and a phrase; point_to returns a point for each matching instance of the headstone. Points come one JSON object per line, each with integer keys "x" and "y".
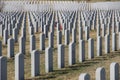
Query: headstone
{"x": 103, "y": 30}
{"x": 35, "y": 63}
{"x": 15, "y": 34}
{"x": 98, "y": 30}
{"x": 22, "y": 45}
{"x": 63, "y": 29}
{"x": 99, "y": 46}
{"x": 86, "y": 33}
{"x": 51, "y": 39}
{"x": 32, "y": 43}
{"x": 114, "y": 71}
{"x": 67, "y": 37}
{"x": 114, "y": 42}
{"x": 84, "y": 76}
{"x": 93, "y": 25}
{"x": 57, "y": 27}
{"x": 73, "y": 35}
{"x": 117, "y": 27}
{"x": 42, "y": 41}
{"x": 19, "y": 66}
{"x": 69, "y": 27}
{"x": 0, "y": 48}
{"x": 1, "y": 30}
{"x": 119, "y": 40}
{"x": 100, "y": 74}
{"x": 113, "y": 27}
{"x": 90, "y": 48}
{"x": 72, "y": 53}
{"x": 31, "y": 30}
{"x": 80, "y": 33}
{"x": 61, "y": 53}
{"x": 59, "y": 37}
{"x": 46, "y": 31}
{"x": 107, "y": 43}
{"x": 10, "y": 29}
{"x": 48, "y": 59}
{"x": 10, "y": 48}
{"x": 5, "y": 36}
{"x": 23, "y": 32}
{"x": 36, "y": 27}
{"x": 51, "y": 28}
{"x": 108, "y": 29}
{"x": 81, "y": 50}
{"x": 3, "y": 68}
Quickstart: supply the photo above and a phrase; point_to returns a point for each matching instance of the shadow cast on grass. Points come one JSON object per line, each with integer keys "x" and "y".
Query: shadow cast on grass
{"x": 76, "y": 67}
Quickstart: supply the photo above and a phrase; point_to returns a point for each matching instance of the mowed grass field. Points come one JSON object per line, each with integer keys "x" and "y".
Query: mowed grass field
{"x": 69, "y": 72}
